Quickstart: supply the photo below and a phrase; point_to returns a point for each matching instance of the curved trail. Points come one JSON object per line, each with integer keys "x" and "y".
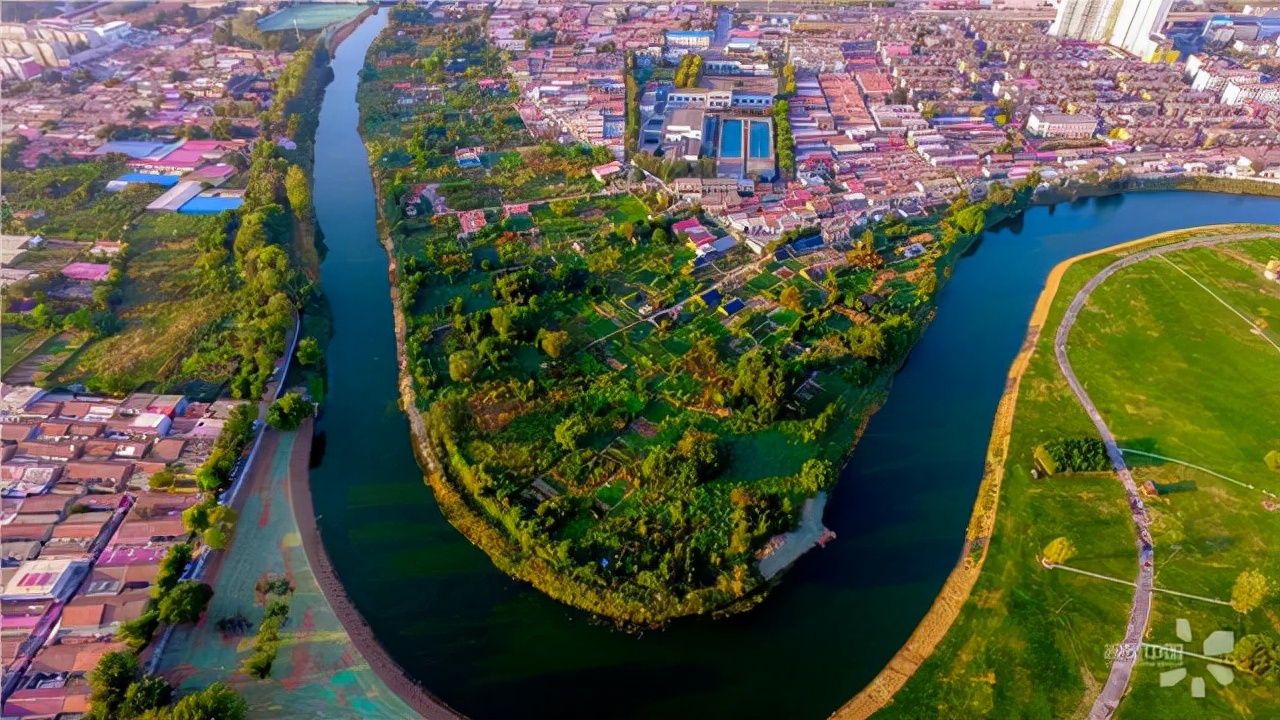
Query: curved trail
{"x": 1140, "y": 611}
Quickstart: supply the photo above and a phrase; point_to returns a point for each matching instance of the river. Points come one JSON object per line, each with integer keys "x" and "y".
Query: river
{"x": 495, "y": 648}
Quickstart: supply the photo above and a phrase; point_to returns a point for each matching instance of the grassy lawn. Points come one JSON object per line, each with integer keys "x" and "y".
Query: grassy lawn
{"x": 1175, "y": 373}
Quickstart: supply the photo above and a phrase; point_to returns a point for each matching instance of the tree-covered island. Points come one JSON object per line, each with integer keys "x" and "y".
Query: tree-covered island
{"x": 613, "y": 414}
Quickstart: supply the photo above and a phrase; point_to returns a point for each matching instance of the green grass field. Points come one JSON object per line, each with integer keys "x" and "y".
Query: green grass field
{"x": 1175, "y": 373}
{"x": 1205, "y": 393}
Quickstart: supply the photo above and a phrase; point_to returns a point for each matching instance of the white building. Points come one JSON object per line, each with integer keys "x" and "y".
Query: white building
{"x": 1056, "y": 124}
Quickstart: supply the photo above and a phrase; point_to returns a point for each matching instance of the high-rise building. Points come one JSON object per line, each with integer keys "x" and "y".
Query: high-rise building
{"x": 1084, "y": 20}
{"x": 1137, "y": 22}
{"x": 1126, "y": 24}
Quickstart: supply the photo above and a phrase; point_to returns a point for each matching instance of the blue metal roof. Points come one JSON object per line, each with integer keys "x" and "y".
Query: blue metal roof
{"x": 210, "y": 205}
{"x": 161, "y": 180}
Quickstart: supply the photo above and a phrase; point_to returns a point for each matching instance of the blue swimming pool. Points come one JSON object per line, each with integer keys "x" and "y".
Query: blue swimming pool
{"x": 731, "y": 139}
{"x": 760, "y": 141}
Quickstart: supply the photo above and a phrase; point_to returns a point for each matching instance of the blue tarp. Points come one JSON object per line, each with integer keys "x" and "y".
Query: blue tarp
{"x": 161, "y": 180}
{"x": 210, "y": 205}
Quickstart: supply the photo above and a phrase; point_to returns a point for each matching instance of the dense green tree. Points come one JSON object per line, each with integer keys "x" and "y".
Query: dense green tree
{"x": 109, "y": 681}
{"x": 1250, "y": 590}
{"x": 172, "y": 566}
{"x": 161, "y": 480}
{"x": 289, "y": 411}
{"x": 149, "y": 693}
{"x": 221, "y": 129}
{"x": 791, "y": 298}
{"x": 570, "y": 432}
{"x": 1258, "y": 655}
{"x": 216, "y": 702}
{"x": 185, "y": 602}
{"x": 463, "y": 365}
{"x": 553, "y": 342}
{"x": 1272, "y": 459}
{"x": 762, "y": 381}
{"x": 309, "y": 354}
{"x": 137, "y": 633}
{"x": 298, "y": 189}
{"x": 1000, "y": 194}
{"x": 1058, "y": 551}
{"x": 815, "y": 475}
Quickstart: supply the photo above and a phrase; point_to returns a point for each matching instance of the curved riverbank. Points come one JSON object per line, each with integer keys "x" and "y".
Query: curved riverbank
{"x": 362, "y": 637}
{"x": 959, "y": 585}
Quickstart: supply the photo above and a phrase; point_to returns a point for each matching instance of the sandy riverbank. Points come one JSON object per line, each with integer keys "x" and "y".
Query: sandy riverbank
{"x": 956, "y": 590}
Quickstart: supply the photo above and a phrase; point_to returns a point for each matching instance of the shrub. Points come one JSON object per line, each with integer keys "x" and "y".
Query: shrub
{"x": 162, "y": 480}
{"x": 1073, "y": 454}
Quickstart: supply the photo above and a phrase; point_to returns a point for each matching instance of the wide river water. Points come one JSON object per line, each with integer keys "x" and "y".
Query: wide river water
{"x": 495, "y": 648}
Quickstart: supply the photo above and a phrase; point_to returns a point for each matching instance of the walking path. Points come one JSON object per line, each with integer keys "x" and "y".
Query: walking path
{"x": 1140, "y": 611}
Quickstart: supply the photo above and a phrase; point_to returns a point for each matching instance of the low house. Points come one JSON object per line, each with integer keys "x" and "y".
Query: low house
{"x": 694, "y": 230}
{"x": 144, "y": 532}
{"x": 606, "y": 171}
{"x": 472, "y": 221}
{"x": 45, "y": 579}
{"x": 75, "y": 536}
{"x": 86, "y": 617}
{"x": 87, "y": 272}
{"x": 468, "y": 157}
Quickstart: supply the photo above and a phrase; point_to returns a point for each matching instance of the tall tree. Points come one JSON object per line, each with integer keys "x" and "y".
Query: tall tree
{"x": 298, "y": 190}
{"x": 109, "y": 681}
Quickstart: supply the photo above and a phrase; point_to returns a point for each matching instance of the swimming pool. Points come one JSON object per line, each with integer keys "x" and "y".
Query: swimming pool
{"x": 759, "y": 140}
{"x": 731, "y": 139}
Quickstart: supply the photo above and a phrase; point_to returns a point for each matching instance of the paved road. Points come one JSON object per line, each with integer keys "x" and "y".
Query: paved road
{"x": 1140, "y": 612}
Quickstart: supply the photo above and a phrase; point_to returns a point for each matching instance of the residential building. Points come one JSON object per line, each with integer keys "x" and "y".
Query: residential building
{"x": 1057, "y": 124}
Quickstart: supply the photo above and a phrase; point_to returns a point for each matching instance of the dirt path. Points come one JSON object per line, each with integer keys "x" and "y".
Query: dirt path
{"x": 299, "y": 491}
